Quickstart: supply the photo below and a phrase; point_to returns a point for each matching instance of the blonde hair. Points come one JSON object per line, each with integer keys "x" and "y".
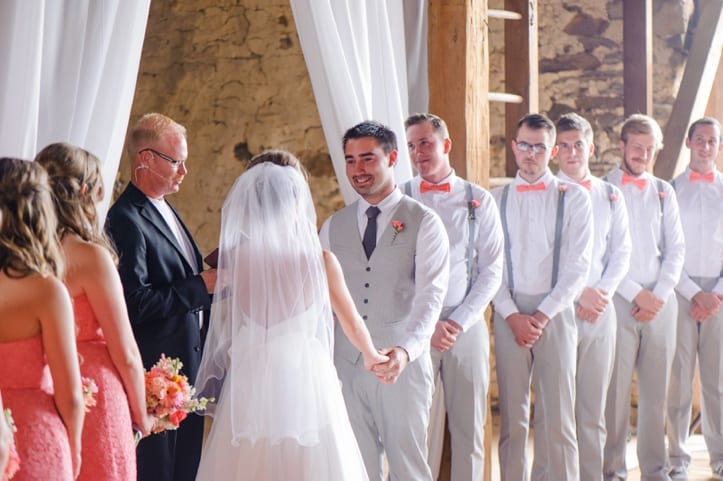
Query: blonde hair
{"x": 76, "y": 180}
{"x": 150, "y": 129}
{"x": 639, "y": 124}
{"x": 28, "y": 240}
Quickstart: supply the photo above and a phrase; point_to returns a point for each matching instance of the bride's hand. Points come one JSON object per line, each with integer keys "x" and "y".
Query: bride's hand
{"x": 372, "y": 359}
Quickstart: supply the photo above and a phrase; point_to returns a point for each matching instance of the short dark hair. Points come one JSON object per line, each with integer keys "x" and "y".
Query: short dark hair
{"x": 385, "y": 136}
{"x": 574, "y": 122}
{"x": 537, "y": 122}
{"x": 440, "y": 127}
{"x": 702, "y": 121}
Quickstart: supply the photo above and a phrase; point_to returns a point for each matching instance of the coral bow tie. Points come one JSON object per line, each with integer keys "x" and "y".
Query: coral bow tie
{"x": 586, "y": 184}
{"x": 639, "y": 183}
{"x": 427, "y": 187}
{"x": 531, "y": 187}
{"x": 696, "y": 177}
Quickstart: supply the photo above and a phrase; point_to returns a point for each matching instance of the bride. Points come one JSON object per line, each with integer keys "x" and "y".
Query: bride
{"x": 268, "y": 358}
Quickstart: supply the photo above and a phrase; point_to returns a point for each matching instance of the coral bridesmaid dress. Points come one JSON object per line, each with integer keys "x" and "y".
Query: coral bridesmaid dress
{"x": 27, "y": 388}
{"x": 108, "y": 445}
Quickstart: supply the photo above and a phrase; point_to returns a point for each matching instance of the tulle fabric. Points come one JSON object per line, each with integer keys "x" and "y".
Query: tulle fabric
{"x": 271, "y": 320}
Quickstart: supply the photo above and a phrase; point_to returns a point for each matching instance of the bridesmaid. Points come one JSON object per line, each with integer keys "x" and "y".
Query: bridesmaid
{"x": 108, "y": 352}
{"x": 39, "y": 374}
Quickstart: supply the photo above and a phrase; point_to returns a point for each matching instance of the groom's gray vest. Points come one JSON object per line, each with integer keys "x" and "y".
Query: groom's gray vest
{"x": 383, "y": 286}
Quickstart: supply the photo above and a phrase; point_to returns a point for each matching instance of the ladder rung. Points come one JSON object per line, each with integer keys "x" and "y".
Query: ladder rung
{"x": 503, "y": 14}
{"x": 504, "y": 97}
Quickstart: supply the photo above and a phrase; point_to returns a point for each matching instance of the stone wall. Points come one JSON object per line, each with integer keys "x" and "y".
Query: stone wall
{"x": 233, "y": 73}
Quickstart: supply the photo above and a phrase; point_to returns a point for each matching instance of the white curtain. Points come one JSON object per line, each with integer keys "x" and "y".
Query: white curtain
{"x": 356, "y": 56}
{"x": 69, "y": 74}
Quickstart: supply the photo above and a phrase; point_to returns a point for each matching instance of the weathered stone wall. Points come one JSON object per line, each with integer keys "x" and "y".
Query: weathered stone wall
{"x": 581, "y": 67}
{"x": 232, "y": 71}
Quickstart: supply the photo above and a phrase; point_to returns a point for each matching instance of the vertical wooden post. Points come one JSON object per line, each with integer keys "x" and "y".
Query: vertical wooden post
{"x": 521, "y": 70}
{"x": 638, "y": 56}
{"x": 458, "y": 87}
{"x": 459, "y": 81}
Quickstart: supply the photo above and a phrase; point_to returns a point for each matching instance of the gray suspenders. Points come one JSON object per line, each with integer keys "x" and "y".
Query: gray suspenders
{"x": 558, "y": 237}
{"x": 471, "y": 217}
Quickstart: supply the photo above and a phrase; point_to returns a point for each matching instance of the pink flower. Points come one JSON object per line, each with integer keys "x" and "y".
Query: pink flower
{"x": 474, "y": 203}
{"x": 662, "y": 195}
{"x": 90, "y": 389}
{"x": 613, "y": 197}
{"x": 398, "y": 227}
{"x": 169, "y": 396}
{"x": 13, "y": 464}
{"x": 562, "y": 187}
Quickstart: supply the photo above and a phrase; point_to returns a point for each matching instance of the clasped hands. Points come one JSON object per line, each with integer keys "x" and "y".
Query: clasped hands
{"x": 389, "y": 364}
{"x": 704, "y": 305}
{"x": 647, "y": 306}
{"x": 591, "y": 304}
{"x": 527, "y": 329}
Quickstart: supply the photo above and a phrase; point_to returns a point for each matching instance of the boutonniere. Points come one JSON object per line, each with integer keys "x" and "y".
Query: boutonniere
{"x": 613, "y": 197}
{"x": 562, "y": 188}
{"x": 398, "y": 227}
{"x": 662, "y": 194}
{"x": 471, "y": 206}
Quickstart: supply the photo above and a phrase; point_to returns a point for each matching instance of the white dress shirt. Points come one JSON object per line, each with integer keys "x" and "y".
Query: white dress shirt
{"x": 611, "y": 246}
{"x": 701, "y": 214}
{"x": 649, "y": 265}
{"x": 531, "y": 225}
{"x": 172, "y": 222}
{"x": 453, "y": 209}
{"x": 431, "y": 274}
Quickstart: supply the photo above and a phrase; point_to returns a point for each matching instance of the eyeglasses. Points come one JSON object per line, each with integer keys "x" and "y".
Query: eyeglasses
{"x": 175, "y": 163}
{"x": 536, "y": 148}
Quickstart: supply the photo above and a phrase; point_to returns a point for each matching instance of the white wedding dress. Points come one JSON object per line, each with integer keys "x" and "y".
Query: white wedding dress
{"x": 280, "y": 413}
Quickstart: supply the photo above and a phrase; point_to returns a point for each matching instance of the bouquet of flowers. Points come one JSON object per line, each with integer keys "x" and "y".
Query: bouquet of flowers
{"x": 14, "y": 459}
{"x": 90, "y": 389}
{"x": 169, "y": 395}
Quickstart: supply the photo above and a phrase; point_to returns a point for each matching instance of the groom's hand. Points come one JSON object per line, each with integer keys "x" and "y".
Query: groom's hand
{"x": 388, "y": 372}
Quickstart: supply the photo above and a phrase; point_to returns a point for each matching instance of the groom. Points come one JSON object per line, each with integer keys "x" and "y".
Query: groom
{"x": 394, "y": 253}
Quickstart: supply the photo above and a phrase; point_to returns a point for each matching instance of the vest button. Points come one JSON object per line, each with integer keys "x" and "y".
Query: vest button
{"x": 366, "y": 301}
{"x": 366, "y": 285}
{"x": 369, "y": 269}
{"x": 365, "y": 317}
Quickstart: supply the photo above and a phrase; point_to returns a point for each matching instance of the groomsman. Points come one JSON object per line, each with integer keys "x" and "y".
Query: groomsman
{"x": 460, "y": 343}
{"x": 596, "y": 321}
{"x": 700, "y": 290}
{"x": 645, "y": 304}
{"x": 548, "y": 242}
{"x": 395, "y": 256}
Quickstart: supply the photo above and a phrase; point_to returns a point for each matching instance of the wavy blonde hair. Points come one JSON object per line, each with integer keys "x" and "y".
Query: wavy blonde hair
{"x": 28, "y": 239}
{"x": 76, "y": 180}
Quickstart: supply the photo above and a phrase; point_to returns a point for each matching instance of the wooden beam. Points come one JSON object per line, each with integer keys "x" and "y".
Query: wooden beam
{"x": 521, "y": 70}
{"x": 638, "y": 56}
{"x": 458, "y": 85}
{"x": 715, "y": 102}
{"x": 459, "y": 81}
{"x": 695, "y": 88}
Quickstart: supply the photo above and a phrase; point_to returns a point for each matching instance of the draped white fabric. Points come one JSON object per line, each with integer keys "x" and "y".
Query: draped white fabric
{"x": 70, "y": 69}
{"x": 356, "y": 56}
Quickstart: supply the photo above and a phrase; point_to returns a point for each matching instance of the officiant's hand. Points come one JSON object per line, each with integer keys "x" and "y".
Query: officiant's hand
{"x": 388, "y": 372}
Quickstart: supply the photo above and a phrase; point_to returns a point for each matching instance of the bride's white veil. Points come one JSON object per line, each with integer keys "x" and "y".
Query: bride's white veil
{"x": 271, "y": 297}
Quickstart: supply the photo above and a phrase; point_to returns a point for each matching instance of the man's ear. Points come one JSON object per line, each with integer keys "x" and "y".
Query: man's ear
{"x": 393, "y": 157}
{"x": 447, "y": 145}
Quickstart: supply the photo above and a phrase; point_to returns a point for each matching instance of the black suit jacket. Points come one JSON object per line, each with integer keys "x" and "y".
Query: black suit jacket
{"x": 163, "y": 294}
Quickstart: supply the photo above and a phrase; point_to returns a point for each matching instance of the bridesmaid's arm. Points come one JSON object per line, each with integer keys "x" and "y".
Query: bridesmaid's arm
{"x": 102, "y": 285}
{"x": 6, "y": 437}
{"x": 58, "y": 333}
